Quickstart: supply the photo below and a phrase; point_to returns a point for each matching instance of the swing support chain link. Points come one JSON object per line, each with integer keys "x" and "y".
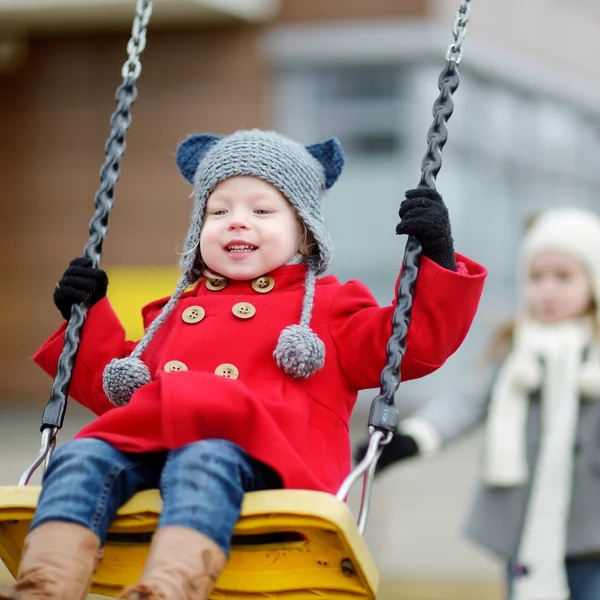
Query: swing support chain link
{"x": 133, "y": 67}
{"x": 459, "y": 31}
{"x": 383, "y": 416}
{"x": 126, "y": 95}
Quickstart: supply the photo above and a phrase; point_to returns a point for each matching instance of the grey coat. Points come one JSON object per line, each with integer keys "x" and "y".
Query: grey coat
{"x": 498, "y": 514}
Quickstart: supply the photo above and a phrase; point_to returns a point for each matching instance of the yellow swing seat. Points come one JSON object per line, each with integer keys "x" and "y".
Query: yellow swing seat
{"x": 288, "y": 545}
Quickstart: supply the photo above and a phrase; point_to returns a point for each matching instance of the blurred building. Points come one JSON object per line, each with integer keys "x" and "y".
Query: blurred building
{"x": 525, "y": 135}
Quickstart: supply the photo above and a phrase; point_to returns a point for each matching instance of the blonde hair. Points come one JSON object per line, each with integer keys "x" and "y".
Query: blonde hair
{"x": 307, "y": 243}
{"x": 502, "y": 338}
{"x": 500, "y": 343}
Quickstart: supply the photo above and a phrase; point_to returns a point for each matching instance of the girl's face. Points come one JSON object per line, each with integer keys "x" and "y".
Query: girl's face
{"x": 249, "y": 229}
{"x": 558, "y": 287}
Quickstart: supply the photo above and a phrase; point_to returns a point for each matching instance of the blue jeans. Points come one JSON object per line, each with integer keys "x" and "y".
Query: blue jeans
{"x": 583, "y": 575}
{"x": 202, "y": 485}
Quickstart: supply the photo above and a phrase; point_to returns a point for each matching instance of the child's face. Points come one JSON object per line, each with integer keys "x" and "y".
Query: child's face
{"x": 558, "y": 287}
{"x": 249, "y": 229}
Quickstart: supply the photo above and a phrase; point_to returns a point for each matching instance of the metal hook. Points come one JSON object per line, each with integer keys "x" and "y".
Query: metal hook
{"x": 46, "y": 449}
{"x": 366, "y": 467}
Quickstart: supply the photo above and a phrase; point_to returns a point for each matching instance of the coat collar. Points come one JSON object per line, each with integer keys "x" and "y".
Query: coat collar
{"x": 286, "y": 278}
{"x": 282, "y": 279}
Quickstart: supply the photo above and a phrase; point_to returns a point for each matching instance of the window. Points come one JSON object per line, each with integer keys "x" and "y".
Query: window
{"x": 510, "y": 153}
{"x": 361, "y": 106}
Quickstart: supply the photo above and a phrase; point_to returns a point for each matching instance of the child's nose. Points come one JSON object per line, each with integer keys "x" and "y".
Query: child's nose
{"x": 239, "y": 218}
{"x": 237, "y": 223}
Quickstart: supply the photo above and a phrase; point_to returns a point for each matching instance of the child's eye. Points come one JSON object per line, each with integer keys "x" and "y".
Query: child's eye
{"x": 218, "y": 212}
{"x": 262, "y": 211}
{"x": 535, "y": 276}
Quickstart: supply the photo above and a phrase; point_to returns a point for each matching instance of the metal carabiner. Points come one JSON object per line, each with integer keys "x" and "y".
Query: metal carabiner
{"x": 377, "y": 440}
{"x": 44, "y": 455}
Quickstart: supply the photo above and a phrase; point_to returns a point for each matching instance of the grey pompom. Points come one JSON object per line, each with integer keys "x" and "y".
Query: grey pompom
{"x": 122, "y": 377}
{"x": 299, "y": 352}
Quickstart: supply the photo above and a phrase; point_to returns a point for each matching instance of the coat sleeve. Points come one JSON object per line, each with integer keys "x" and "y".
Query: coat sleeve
{"x": 445, "y": 303}
{"x": 449, "y": 416}
{"x": 102, "y": 339}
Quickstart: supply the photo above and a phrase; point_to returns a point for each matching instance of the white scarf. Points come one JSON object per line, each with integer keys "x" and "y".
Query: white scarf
{"x": 562, "y": 379}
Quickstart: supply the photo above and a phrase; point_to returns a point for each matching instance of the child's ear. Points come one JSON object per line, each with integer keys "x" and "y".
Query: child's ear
{"x": 192, "y": 150}
{"x": 331, "y": 156}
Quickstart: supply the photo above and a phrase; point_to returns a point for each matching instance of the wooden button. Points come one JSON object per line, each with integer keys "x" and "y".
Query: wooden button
{"x": 215, "y": 284}
{"x": 243, "y": 310}
{"x": 263, "y": 284}
{"x": 193, "y": 314}
{"x": 175, "y": 365}
{"x": 227, "y": 370}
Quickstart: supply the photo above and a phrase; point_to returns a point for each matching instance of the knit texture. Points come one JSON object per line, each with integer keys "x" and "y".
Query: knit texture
{"x": 295, "y": 170}
{"x": 80, "y": 280}
{"x": 299, "y": 351}
{"x": 425, "y": 216}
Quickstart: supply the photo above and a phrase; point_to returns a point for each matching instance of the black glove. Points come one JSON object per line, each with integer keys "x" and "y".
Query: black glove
{"x": 424, "y": 215}
{"x": 79, "y": 281}
{"x": 401, "y": 447}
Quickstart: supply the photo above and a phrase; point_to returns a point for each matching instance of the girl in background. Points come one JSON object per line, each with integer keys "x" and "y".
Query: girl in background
{"x": 538, "y": 506}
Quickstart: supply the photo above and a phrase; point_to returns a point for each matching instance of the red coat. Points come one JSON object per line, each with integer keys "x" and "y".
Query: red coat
{"x": 300, "y": 428}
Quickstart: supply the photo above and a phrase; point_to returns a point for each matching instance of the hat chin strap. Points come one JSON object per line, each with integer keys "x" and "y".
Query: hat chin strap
{"x": 299, "y": 352}
{"x": 297, "y": 259}
{"x": 123, "y": 376}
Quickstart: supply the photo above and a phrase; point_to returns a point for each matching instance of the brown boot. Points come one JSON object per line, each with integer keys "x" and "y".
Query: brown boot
{"x": 58, "y": 563}
{"x": 182, "y": 565}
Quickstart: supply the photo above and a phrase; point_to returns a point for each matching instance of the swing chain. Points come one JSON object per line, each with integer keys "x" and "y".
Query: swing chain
{"x": 133, "y": 67}
{"x": 54, "y": 412}
{"x": 383, "y": 417}
{"x": 459, "y": 31}
{"x": 120, "y": 121}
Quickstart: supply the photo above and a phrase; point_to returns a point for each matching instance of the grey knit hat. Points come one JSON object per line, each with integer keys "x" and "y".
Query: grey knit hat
{"x": 301, "y": 174}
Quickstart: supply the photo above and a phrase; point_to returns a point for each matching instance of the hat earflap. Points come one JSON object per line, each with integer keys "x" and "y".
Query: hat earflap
{"x": 192, "y": 150}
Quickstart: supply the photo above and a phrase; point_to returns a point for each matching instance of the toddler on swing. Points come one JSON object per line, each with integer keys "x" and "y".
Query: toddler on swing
{"x": 245, "y": 378}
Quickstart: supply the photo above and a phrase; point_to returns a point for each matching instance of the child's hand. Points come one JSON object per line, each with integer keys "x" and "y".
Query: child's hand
{"x": 78, "y": 281}
{"x": 424, "y": 215}
{"x": 401, "y": 447}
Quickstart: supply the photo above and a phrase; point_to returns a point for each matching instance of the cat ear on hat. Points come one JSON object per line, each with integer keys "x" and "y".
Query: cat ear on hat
{"x": 331, "y": 156}
{"x": 192, "y": 150}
